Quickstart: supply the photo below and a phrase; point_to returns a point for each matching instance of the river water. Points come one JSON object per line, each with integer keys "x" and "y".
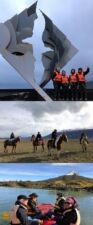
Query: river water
{"x": 8, "y": 197}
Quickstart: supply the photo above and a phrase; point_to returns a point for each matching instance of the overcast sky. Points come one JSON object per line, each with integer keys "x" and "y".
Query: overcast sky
{"x": 73, "y": 17}
{"x": 27, "y": 118}
{"x": 41, "y": 171}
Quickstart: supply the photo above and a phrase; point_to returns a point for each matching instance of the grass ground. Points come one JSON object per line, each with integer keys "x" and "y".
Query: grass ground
{"x": 71, "y": 152}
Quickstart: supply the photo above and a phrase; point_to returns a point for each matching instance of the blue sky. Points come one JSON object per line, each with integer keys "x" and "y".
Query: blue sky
{"x": 41, "y": 171}
{"x": 73, "y": 17}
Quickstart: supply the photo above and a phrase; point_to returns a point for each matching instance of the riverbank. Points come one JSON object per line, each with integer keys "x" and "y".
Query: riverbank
{"x": 74, "y": 182}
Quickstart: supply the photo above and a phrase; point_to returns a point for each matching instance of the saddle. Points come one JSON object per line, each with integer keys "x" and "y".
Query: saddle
{"x": 11, "y": 139}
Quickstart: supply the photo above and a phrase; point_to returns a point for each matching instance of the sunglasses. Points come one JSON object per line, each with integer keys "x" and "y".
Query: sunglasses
{"x": 67, "y": 203}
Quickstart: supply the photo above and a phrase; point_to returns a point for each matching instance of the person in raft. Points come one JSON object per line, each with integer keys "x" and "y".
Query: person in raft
{"x": 71, "y": 214}
{"x": 33, "y": 209}
{"x": 59, "y": 204}
{"x": 19, "y": 213}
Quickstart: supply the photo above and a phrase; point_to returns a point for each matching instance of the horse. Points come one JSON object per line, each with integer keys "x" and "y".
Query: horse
{"x": 11, "y": 142}
{"x": 84, "y": 143}
{"x": 37, "y": 143}
{"x": 50, "y": 144}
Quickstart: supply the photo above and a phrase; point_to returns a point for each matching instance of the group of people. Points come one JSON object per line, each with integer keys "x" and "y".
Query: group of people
{"x": 72, "y": 87}
{"x": 27, "y": 212}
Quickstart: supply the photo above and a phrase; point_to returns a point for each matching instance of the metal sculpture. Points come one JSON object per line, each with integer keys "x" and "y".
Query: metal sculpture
{"x": 62, "y": 50}
{"x": 20, "y": 55}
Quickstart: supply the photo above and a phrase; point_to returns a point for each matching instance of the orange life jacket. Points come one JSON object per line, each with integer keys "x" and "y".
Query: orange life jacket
{"x": 81, "y": 77}
{"x": 73, "y": 78}
{"x": 58, "y": 76}
{"x": 64, "y": 79}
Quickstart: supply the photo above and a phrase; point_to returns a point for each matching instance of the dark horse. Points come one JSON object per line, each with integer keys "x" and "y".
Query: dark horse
{"x": 37, "y": 143}
{"x": 11, "y": 142}
{"x": 58, "y": 142}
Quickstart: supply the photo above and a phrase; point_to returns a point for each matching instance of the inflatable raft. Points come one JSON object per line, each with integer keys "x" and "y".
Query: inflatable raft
{"x": 45, "y": 209}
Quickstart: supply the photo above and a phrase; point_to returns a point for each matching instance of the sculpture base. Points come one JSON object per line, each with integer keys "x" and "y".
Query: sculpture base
{"x": 32, "y": 95}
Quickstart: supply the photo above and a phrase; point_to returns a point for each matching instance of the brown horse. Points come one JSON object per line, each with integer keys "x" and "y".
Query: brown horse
{"x": 58, "y": 142}
{"x": 11, "y": 142}
{"x": 37, "y": 143}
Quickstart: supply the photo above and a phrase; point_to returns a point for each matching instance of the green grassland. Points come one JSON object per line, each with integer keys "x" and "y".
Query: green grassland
{"x": 70, "y": 152}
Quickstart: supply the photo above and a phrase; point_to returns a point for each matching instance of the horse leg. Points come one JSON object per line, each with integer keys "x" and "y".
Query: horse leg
{"x": 35, "y": 148}
{"x": 5, "y": 149}
{"x": 15, "y": 149}
{"x": 43, "y": 148}
{"x": 12, "y": 149}
{"x": 49, "y": 150}
{"x": 56, "y": 154}
{"x": 83, "y": 148}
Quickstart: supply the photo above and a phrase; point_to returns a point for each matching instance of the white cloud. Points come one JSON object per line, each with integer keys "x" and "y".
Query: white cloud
{"x": 26, "y": 118}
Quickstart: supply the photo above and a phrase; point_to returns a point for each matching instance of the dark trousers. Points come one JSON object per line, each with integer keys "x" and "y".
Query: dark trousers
{"x": 64, "y": 91}
{"x": 73, "y": 91}
{"x": 57, "y": 86}
{"x": 82, "y": 94}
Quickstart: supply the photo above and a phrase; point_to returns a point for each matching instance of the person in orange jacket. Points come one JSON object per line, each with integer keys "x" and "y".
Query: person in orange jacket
{"x": 82, "y": 95}
{"x": 64, "y": 85}
{"x": 73, "y": 84}
{"x": 56, "y": 77}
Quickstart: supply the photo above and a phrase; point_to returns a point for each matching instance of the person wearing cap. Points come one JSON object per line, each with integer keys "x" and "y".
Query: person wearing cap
{"x": 57, "y": 77}
{"x": 82, "y": 83}
{"x": 33, "y": 209}
{"x": 71, "y": 214}
{"x": 18, "y": 214}
{"x": 54, "y": 137}
{"x": 59, "y": 204}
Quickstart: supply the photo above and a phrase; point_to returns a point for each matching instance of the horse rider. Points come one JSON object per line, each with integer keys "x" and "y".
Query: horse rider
{"x": 33, "y": 209}
{"x": 64, "y": 85}
{"x": 59, "y": 204}
{"x": 82, "y": 83}
{"x": 54, "y": 137}
{"x": 12, "y": 136}
{"x": 73, "y": 84}
{"x": 18, "y": 214}
{"x": 71, "y": 214}
{"x": 38, "y": 137}
{"x": 57, "y": 77}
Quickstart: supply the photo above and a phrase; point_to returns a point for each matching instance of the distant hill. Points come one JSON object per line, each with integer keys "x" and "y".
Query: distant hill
{"x": 72, "y": 182}
{"x": 74, "y": 134}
